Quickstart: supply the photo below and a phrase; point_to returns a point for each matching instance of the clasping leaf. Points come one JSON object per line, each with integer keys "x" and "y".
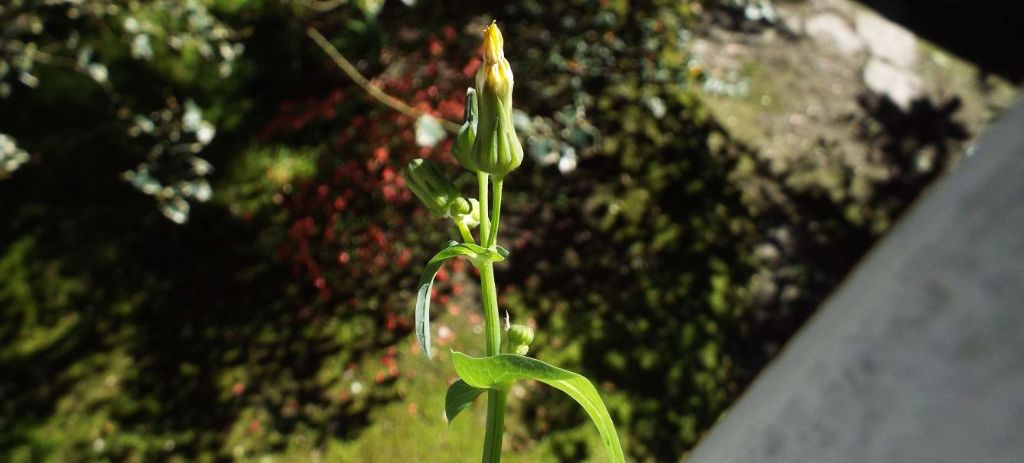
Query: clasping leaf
{"x": 500, "y": 371}
{"x": 476, "y": 254}
{"x": 458, "y": 398}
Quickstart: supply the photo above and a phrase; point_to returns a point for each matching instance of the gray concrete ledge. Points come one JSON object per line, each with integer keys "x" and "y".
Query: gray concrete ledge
{"x": 919, "y": 355}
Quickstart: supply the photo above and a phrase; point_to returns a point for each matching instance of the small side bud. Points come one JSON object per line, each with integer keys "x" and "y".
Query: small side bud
{"x": 520, "y": 337}
{"x": 471, "y": 218}
{"x": 462, "y": 148}
{"x": 431, "y": 186}
{"x": 460, "y": 207}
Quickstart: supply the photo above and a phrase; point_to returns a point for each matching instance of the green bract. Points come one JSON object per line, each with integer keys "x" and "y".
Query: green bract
{"x": 431, "y": 186}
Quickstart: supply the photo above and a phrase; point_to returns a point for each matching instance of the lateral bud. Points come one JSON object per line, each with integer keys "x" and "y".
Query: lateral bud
{"x": 462, "y": 148}
{"x": 466, "y": 212}
{"x": 431, "y": 186}
{"x": 519, "y": 338}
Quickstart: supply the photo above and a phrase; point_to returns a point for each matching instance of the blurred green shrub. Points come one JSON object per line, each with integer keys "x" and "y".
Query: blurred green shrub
{"x": 130, "y": 64}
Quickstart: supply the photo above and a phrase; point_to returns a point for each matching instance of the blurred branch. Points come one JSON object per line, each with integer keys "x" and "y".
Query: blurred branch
{"x": 325, "y": 5}
{"x": 350, "y": 70}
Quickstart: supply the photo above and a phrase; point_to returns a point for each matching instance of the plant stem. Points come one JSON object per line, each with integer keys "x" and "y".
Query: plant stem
{"x": 467, "y": 237}
{"x": 492, "y": 239}
{"x": 492, "y": 322}
{"x": 485, "y": 221}
{"x": 492, "y": 331}
{"x": 495, "y": 425}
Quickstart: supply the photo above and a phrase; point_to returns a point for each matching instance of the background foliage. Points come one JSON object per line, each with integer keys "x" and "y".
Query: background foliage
{"x": 655, "y": 254}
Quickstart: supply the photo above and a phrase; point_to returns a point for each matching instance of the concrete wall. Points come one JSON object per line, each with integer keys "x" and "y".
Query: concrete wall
{"x": 919, "y": 356}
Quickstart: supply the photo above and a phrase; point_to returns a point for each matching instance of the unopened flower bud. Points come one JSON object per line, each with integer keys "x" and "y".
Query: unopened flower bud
{"x": 520, "y": 337}
{"x": 471, "y": 218}
{"x": 460, "y": 207}
{"x": 463, "y": 146}
{"x": 431, "y": 186}
{"x": 496, "y": 149}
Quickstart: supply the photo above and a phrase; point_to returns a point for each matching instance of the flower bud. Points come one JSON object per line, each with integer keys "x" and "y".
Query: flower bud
{"x": 470, "y": 218}
{"x": 431, "y": 186}
{"x": 496, "y": 149}
{"x": 462, "y": 149}
{"x": 520, "y": 337}
{"x": 460, "y": 207}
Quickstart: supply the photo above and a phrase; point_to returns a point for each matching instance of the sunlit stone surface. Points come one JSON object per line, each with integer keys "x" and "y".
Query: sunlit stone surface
{"x": 919, "y": 356}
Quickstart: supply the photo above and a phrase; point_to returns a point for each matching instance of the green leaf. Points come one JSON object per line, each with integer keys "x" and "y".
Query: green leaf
{"x": 474, "y": 253}
{"x": 458, "y": 398}
{"x": 500, "y": 371}
{"x": 484, "y": 253}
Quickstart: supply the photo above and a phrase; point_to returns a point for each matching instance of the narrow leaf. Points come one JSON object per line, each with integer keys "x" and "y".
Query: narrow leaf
{"x": 500, "y": 371}
{"x": 458, "y": 398}
{"x": 452, "y": 249}
{"x": 493, "y": 256}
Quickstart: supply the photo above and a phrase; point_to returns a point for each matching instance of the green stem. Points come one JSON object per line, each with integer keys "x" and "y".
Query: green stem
{"x": 492, "y": 239}
{"x": 492, "y": 332}
{"x": 485, "y": 221}
{"x": 467, "y": 237}
{"x": 495, "y": 425}
{"x": 492, "y": 321}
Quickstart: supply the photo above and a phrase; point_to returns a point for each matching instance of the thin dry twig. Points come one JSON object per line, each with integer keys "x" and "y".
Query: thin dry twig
{"x": 350, "y": 70}
{"x": 324, "y": 6}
